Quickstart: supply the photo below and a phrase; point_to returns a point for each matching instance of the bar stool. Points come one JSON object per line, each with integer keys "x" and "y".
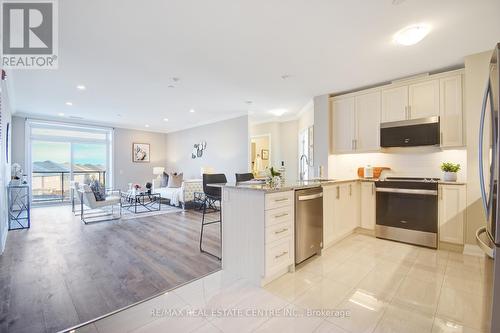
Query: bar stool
{"x": 213, "y": 200}
{"x": 243, "y": 177}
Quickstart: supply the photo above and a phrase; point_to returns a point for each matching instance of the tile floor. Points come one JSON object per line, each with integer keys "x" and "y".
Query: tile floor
{"x": 370, "y": 285}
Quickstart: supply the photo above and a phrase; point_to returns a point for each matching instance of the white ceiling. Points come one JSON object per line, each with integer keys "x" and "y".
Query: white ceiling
{"x": 226, "y": 52}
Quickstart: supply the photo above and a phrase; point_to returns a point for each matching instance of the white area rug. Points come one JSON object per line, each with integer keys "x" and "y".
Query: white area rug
{"x": 165, "y": 209}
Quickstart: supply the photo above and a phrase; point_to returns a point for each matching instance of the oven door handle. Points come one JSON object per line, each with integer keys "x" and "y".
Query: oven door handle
{"x": 407, "y": 191}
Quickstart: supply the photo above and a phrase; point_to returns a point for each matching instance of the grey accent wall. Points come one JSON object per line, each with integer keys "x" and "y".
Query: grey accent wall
{"x": 227, "y": 148}
{"x": 126, "y": 171}
{"x": 321, "y": 134}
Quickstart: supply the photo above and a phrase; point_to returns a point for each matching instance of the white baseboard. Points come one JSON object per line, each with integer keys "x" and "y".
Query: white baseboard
{"x": 473, "y": 250}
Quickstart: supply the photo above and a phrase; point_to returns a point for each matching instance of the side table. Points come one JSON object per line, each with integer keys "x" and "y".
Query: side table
{"x": 19, "y": 206}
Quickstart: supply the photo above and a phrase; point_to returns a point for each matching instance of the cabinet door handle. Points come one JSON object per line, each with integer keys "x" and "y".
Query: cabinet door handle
{"x": 280, "y": 200}
{"x": 441, "y": 137}
{"x": 355, "y": 144}
{"x": 350, "y": 189}
{"x": 280, "y": 255}
{"x": 440, "y": 193}
{"x": 406, "y": 112}
{"x": 280, "y": 215}
{"x": 280, "y": 231}
{"x": 338, "y": 192}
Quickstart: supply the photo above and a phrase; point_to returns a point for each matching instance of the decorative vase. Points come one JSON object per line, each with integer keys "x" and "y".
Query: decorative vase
{"x": 450, "y": 176}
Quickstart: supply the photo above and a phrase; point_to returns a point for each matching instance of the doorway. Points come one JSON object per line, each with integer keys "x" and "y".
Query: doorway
{"x": 260, "y": 154}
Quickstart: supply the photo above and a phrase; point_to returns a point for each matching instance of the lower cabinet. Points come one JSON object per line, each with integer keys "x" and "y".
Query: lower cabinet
{"x": 340, "y": 211}
{"x": 451, "y": 207}
{"x": 367, "y": 205}
{"x": 279, "y": 234}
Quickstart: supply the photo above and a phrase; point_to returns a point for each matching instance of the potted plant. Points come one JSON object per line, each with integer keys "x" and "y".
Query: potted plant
{"x": 450, "y": 171}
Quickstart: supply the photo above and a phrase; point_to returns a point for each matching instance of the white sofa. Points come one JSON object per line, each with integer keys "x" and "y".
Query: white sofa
{"x": 181, "y": 195}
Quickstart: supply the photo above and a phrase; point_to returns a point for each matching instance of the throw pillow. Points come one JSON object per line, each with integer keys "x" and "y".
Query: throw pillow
{"x": 164, "y": 180}
{"x": 99, "y": 192}
{"x": 175, "y": 180}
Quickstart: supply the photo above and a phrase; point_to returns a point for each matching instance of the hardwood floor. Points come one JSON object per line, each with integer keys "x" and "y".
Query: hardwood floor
{"x": 61, "y": 272}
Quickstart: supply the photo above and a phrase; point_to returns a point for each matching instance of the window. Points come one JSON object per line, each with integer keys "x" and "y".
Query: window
{"x": 59, "y": 153}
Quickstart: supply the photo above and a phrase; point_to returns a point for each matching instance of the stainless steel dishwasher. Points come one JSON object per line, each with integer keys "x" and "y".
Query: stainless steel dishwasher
{"x": 308, "y": 223}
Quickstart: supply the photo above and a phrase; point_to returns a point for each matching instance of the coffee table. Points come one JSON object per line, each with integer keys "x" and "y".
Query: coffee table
{"x": 141, "y": 202}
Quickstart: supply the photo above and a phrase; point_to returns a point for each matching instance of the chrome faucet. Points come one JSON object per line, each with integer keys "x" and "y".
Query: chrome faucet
{"x": 302, "y": 171}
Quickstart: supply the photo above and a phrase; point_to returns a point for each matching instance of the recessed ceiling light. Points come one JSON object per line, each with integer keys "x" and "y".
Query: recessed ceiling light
{"x": 412, "y": 34}
{"x": 81, "y": 87}
{"x": 146, "y": 125}
{"x": 69, "y": 103}
{"x": 192, "y": 110}
{"x": 165, "y": 119}
{"x": 278, "y": 112}
{"x": 60, "y": 114}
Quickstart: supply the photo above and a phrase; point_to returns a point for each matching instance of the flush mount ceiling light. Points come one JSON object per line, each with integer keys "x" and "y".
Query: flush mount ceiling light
{"x": 192, "y": 110}
{"x": 146, "y": 126}
{"x": 412, "y": 34}
{"x": 81, "y": 87}
{"x": 278, "y": 112}
{"x": 69, "y": 103}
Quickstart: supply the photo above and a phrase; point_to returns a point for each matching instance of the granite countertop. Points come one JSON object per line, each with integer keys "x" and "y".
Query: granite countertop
{"x": 289, "y": 186}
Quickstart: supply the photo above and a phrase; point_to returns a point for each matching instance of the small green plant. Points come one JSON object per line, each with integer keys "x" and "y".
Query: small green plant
{"x": 450, "y": 167}
{"x": 274, "y": 173}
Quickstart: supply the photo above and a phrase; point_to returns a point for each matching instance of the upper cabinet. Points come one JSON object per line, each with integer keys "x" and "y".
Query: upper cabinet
{"x": 394, "y": 104}
{"x": 414, "y": 101}
{"x": 343, "y": 125}
{"x": 367, "y": 108}
{"x": 356, "y": 117}
{"x": 355, "y": 123}
{"x": 451, "y": 119}
{"x": 423, "y": 99}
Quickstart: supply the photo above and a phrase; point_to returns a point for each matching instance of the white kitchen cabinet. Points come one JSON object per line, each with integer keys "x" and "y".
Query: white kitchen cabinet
{"x": 423, "y": 99}
{"x": 343, "y": 125}
{"x": 345, "y": 211}
{"x": 367, "y": 121}
{"x": 367, "y": 205}
{"x": 355, "y": 123}
{"x": 451, "y": 207}
{"x": 394, "y": 104}
{"x": 451, "y": 111}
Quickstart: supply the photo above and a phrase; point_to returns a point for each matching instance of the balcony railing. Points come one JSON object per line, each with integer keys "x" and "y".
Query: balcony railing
{"x": 48, "y": 186}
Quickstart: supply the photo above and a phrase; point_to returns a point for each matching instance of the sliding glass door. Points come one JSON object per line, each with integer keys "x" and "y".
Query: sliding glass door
{"x": 59, "y": 153}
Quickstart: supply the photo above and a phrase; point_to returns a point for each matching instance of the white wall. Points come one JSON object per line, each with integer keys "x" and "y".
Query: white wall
{"x": 18, "y": 138}
{"x": 417, "y": 162}
{"x": 126, "y": 171}
{"x": 4, "y": 165}
{"x": 227, "y": 149}
{"x": 476, "y": 74}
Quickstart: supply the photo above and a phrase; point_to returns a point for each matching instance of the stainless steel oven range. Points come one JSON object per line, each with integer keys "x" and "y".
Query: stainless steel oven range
{"x": 407, "y": 210}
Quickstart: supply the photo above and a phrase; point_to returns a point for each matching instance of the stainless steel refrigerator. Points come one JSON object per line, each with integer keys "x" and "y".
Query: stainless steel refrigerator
{"x": 488, "y": 237}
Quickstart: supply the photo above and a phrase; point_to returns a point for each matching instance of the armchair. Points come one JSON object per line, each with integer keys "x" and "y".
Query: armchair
{"x": 99, "y": 211}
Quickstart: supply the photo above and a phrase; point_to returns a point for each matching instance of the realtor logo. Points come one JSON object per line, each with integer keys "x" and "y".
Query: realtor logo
{"x": 29, "y": 34}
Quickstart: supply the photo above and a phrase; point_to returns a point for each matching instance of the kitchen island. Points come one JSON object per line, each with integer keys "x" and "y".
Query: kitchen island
{"x": 258, "y": 229}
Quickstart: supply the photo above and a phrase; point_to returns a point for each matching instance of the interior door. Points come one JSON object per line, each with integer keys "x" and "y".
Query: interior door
{"x": 394, "y": 104}
{"x": 343, "y": 125}
{"x": 368, "y": 108}
{"x": 423, "y": 99}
